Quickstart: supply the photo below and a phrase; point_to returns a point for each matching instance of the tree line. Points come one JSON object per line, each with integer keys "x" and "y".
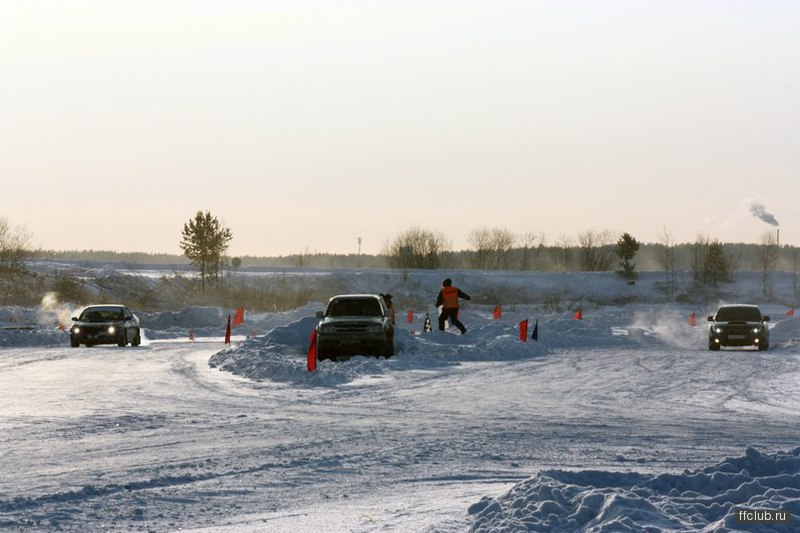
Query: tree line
{"x": 205, "y": 240}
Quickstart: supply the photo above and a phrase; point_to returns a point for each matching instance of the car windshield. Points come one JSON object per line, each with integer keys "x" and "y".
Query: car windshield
{"x": 738, "y": 314}
{"x": 101, "y": 314}
{"x": 354, "y": 307}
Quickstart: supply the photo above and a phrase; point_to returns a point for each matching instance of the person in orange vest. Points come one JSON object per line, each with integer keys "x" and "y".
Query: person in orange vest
{"x": 448, "y": 299}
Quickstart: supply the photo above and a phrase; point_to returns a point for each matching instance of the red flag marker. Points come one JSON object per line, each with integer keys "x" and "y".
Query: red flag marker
{"x": 523, "y": 330}
{"x": 497, "y": 313}
{"x": 410, "y": 316}
{"x": 238, "y": 318}
{"x": 191, "y": 334}
{"x": 790, "y": 312}
{"x": 693, "y": 319}
{"x": 311, "y": 357}
{"x": 228, "y": 331}
{"x": 579, "y": 314}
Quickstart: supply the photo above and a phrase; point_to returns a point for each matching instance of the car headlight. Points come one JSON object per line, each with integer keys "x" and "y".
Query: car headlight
{"x": 718, "y": 330}
{"x": 756, "y": 330}
{"x": 112, "y": 329}
{"x": 76, "y": 330}
{"x": 326, "y": 328}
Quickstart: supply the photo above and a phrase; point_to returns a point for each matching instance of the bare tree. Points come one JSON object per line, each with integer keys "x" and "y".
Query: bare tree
{"x": 14, "y": 247}
{"x": 416, "y": 248}
{"x": 767, "y": 257}
{"x": 492, "y": 247}
{"x": 668, "y": 261}
{"x": 699, "y": 254}
{"x": 562, "y": 253}
{"x": 532, "y": 243}
{"x": 303, "y": 259}
{"x": 596, "y": 252}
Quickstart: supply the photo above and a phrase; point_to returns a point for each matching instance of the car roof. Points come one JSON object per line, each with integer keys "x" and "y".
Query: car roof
{"x": 737, "y": 305}
{"x": 355, "y": 296}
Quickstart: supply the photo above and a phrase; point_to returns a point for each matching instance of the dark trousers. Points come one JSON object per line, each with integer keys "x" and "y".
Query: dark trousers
{"x": 452, "y": 316}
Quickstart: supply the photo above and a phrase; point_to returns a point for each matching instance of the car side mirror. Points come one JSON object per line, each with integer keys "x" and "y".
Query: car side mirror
{"x": 765, "y": 318}
{"x": 74, "y": 319}
{"x": 711, "y": 319}
{"x": 320, "y": 314}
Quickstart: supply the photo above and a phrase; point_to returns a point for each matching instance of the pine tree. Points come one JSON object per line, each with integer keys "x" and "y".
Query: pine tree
{"x": 715, "y": 266}
{"x": 204, "y": 242}
{"x": 626, "y": 249}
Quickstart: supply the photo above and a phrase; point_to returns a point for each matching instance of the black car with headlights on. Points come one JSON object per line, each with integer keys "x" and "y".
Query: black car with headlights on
{"x": 105, "y": 324}
{"x": 738, "y": 325}
{"x": 355, "y": 324}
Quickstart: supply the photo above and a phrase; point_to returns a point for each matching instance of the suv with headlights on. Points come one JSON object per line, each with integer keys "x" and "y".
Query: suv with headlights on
{"x": 355, "y": 324}
{"x": 738, "y": 325}
{"x": 105, "y": 324}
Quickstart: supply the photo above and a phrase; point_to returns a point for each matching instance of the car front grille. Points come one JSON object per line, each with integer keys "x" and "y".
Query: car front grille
{"x": 94, "y": 330}
{"x": 350, "y": 328}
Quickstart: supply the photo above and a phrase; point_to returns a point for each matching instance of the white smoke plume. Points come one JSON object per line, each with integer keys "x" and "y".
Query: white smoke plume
{"x": 52, "y": 311}
{"x": 758, "y": 210}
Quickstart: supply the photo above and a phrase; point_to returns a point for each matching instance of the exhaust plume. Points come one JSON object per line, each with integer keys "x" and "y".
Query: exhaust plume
{"x": 52, "y": 311}
{"x": 758, "y": 210}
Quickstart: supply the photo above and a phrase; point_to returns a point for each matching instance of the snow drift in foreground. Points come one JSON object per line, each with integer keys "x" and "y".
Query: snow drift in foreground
{"x": 615, "y": 501}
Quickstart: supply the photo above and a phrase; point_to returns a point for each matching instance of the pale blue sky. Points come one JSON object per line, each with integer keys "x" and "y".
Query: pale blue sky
{"x": 303, "y": 125}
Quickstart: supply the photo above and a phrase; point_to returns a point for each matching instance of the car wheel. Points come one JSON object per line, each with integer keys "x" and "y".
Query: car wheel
{"x": 713, "y": 346}
{"x": 137, "y": 340}
{"x": 123, "y": 340}
{"x": 763, "y": 347}
{"x": 74, "y": 342}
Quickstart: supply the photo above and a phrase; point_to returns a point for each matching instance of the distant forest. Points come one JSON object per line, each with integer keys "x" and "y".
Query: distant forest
{"x": 551, "y": 258}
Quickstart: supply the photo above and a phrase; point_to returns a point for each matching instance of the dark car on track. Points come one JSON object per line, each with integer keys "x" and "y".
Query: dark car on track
{"x": 105, "y": 324}
{"x": 355, "y": 324}
{"x": 738, "y": 325}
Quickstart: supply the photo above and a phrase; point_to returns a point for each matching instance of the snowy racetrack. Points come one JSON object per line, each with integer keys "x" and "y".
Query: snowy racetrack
{"x": 153, "y": 438}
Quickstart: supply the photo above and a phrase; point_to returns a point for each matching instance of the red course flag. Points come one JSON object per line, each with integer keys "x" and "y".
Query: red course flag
{"x": 410, "y": 316}
{"x": 578, "y": 314}
{"x": 535, "y": 334}
{"x": 238, "y": 318}
{"x": 497, "y": 313}
{"x": 790, "y": 312}
{"x": 523, "y": 330}
{"x": 312, "y": 352}
{"x": 693, "y": 319}
{"x": 228, "y": 331}
{"x": 191, "y": 334}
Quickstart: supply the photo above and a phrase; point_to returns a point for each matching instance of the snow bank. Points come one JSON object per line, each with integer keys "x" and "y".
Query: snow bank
{"x": 280, "y": 354}
{"x": 612, "y": 501}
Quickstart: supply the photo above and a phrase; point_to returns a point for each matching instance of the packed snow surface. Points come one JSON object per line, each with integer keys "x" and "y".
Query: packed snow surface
{"x": 621, "y": 421}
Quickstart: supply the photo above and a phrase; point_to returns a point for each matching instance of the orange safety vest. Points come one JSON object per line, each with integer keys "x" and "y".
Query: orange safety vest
{"x": 450, "y": 297}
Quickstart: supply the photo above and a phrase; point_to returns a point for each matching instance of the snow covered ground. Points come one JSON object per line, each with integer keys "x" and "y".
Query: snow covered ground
{"x": 620, "y": 421}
